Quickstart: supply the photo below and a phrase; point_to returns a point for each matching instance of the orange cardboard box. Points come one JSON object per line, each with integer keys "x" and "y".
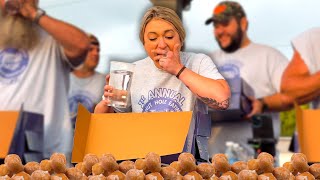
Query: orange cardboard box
{"x": 8, "y": 121}
{"x": 129, "y": 135}
{"x": 308, "y": 127}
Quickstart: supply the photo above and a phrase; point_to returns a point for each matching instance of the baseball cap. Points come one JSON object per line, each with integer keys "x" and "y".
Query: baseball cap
{"x": 224, "y": 11}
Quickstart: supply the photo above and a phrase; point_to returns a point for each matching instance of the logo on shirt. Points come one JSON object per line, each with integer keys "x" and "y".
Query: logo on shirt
{"x": 229, "y": 71}
{"x": 162, "y": 100}
{"x": 83, "y": 97}
{"x": 13, "y": 62}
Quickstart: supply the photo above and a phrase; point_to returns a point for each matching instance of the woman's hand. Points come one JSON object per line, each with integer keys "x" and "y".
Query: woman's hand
{"x": 169, "y": 60}
{"x": 103, "y": 105}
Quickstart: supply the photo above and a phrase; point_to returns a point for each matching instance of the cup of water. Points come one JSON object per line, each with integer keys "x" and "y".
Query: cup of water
{"x": 120, "y": 79}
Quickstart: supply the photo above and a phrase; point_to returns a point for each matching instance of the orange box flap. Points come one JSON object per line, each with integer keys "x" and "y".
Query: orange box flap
{"x": 129, "y": 135}
{"x": 8, "y": 121}
{"x": 308, "y": 128}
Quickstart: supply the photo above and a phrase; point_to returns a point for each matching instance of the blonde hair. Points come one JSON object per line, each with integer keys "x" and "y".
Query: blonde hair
{"x": 159, "y": 12}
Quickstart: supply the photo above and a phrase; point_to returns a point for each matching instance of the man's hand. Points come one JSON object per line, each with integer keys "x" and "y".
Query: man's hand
{"x": 257, "y": 107}
{"x": 28, "y": 9}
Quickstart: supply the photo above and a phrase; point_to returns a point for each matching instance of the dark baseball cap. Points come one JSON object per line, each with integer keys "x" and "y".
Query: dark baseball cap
{"x": 224, "y": 11}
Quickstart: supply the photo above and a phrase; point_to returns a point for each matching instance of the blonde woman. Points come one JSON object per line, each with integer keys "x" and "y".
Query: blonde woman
{"x": 168, "y": 79}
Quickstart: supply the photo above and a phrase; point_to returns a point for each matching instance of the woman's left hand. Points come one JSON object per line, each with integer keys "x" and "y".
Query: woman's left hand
{"x": 170, "y": 60}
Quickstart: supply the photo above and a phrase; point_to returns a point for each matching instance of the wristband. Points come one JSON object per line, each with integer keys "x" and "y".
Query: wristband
{"x": 181, "y": 70}
{"x": 39, "y": 14}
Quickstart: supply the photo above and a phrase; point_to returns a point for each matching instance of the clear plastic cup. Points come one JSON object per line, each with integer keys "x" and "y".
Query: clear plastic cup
{"x": 120, "y": 79}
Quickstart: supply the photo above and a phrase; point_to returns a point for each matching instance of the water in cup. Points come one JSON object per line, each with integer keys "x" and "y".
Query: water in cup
{"x": 121, "y": 81}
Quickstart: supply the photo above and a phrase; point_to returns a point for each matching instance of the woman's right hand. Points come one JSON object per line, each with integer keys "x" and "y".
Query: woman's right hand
{"x": 103, "y": 105}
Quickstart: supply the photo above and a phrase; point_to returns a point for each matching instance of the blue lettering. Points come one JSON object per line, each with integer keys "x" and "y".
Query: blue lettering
{"x": 151, "y": 95}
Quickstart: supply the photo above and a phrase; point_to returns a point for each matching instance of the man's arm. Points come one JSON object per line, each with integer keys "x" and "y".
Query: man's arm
{"x": 73, "y": 40}
{"x": 274, "y": 103}
{"x": 278, "y": 102}
{"x": 297, "y": 81}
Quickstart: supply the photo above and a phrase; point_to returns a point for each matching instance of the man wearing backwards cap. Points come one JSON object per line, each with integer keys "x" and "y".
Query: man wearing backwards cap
{"x": 259, "y": 66}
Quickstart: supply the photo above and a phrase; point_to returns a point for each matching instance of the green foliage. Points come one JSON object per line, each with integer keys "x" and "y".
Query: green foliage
{"x": 288, "y": 121}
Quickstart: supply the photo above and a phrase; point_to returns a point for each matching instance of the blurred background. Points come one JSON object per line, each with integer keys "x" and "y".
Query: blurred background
{"x": 116, "y": 23}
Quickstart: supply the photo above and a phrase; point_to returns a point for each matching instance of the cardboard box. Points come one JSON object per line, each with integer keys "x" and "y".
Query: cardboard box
{"x": 308, "y": 127}
{"x": 21, "y": 133}
{"x": 129, "y": 135}
{"x": 8, "y": 121}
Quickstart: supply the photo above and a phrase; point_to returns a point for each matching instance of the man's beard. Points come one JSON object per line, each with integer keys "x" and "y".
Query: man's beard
{"x": 235, "y": 44}
{"x": 17, "y": 32}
